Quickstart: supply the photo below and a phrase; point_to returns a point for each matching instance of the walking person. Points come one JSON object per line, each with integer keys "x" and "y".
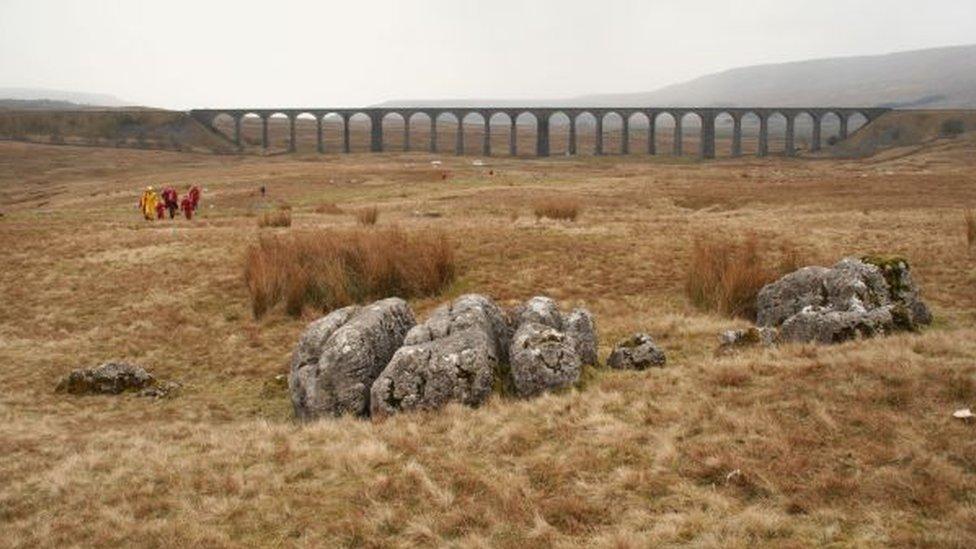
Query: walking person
{"x": 187, "y": 206}
{"x": 147, "y": 203}
{"x": 171, "y": 199}
{"x": 194, "y": 194}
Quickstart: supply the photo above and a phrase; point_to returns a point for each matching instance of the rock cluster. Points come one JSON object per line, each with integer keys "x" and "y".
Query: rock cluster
{"x": 113, "y": 378}
{"x": 857, "y": 297}
{"x": 638, "y": 352}
{"x": 375, "y": 360}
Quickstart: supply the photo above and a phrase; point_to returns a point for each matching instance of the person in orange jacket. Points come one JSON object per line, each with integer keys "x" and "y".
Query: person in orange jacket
{"x": 147, "y": 203}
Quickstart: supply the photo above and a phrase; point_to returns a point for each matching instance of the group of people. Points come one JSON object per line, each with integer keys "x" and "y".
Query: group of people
{"x": 155, "y": 206}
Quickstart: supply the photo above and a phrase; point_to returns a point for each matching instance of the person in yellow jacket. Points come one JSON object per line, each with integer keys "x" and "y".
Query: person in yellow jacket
{"x": 147, "y": 203}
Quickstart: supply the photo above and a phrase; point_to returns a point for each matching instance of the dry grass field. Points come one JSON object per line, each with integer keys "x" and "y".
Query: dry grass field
{"x": 851, "y": 445}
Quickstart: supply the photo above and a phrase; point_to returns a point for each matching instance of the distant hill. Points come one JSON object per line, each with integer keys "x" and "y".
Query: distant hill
{"x": 938, "y": 78}
{"x": 57, "y": 99}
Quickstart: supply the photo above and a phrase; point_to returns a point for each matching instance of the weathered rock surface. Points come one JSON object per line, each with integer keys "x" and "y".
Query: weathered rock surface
{"x": 353, "y": 345}
{"x": 749, "y": 337}
{"x": 549, "y": 348}
{"x": 452, "y": 357}
{"x": 854, "y": 298}
{"x": 580, "y": 326}
{"x": 819, "y": 325}
{"x": 542, "y": 359}
{"x": 162, "y": 389}
{"x": 111, "y": 378}
{"x": 638, "y": 352}
{"x": 540, "y": 309}
{"x": 470, "y": 311}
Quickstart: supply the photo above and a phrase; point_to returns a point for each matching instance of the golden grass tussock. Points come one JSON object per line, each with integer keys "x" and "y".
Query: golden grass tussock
{"x": 367, "y": 216}
{"x": 725, "y": 273}
{"x": 329, "y": 269}
{"x": 328, "y": 208}
{"x": 555, "y": 207}
{"x": 275, "y": 218}
{"x": 970, "y": 219}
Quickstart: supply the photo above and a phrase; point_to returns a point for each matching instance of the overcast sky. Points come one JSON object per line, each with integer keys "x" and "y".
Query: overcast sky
{"x": 183, "y": 54}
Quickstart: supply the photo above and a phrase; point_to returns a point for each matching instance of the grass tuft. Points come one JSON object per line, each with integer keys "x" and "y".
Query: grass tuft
{"x": 558, "y": 208}
{"x": 725, "y": 274}
{"x": 331, "y": 269}
{"x": 276, "y": 218}
{"x": 329, "y": 208}
{"x": 367, "y": 216}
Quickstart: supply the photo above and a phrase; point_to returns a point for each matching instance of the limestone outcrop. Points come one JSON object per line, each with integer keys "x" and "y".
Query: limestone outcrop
{"x": 340, "y": 356}
{"x": 857, "y": 297}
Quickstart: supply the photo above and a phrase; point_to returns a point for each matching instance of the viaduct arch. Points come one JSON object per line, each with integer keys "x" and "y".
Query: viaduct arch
{"x": 542, "y": 116}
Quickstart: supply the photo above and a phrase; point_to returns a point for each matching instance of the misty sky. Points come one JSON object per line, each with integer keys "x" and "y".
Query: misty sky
{"x": 182, "y": 54}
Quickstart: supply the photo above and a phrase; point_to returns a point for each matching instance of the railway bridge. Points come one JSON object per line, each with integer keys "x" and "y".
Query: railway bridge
{"x": 543, "y": 115}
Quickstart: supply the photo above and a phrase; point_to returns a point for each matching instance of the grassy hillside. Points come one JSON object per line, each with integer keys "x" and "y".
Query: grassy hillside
{"x": 850, "y": 446}
{"x": 151, "y": 129}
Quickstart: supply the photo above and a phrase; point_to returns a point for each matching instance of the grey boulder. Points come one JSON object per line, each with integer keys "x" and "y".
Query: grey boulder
{"x": 638, "y": 352}
{"x": 542, "y": 359}
{"x": 580, "y": 326}
{"x": 857, "y": 297}
{"x": 340, "y": 356}
{"x": 452, "y": 357}
{"x": 457, "y": 368}
{"x": 818, "y": 325}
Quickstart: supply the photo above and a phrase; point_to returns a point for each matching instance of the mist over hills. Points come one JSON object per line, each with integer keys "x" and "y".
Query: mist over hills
{"x": 936, "y": 78}
{"x": 40, "y": 98}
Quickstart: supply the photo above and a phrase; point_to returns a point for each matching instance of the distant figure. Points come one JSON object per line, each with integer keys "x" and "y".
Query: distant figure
{"x": 147, "y": 203}
{"x": 187, "y": 206}
{"x": 491, "y": 172}
{"x": 160, "y": 210}
{"x": 194, "y": 194}
{"x": 171, "y": 200}
{"x": 444, "y": 176}
{"x": 263, "y": 191}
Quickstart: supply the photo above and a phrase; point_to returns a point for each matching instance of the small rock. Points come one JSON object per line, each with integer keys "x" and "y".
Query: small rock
{"x": 110, "y": 378}
{"x": 749, "y": 337}
{"x": 964, "y": 413}
{"x": 542, "y": 359}
{"x": 163, "y": 389}
{"x": 638, "y": 352}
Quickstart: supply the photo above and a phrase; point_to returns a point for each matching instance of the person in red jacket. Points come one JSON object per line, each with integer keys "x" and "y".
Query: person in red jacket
{"x": 160, "y": 210}
{"x": 194, "y": 194}
{"x": 187, "y": 206}
{"x": 171, "y": 199}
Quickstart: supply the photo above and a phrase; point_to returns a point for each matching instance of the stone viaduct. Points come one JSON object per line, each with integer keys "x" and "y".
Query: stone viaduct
{"x": 543, "y": 115}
